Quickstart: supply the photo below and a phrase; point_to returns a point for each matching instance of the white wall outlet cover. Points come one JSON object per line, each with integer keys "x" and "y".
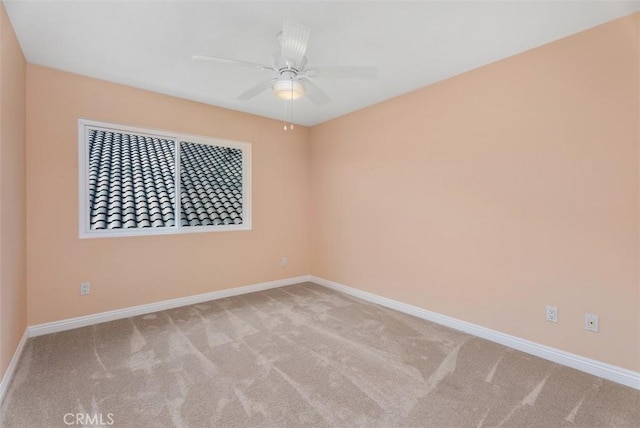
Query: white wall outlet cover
{"x": 284, "y": 261}
{"x": 591, "y": 322}
{"x": 551, "y": 313}
{"x": 85, "y": 288}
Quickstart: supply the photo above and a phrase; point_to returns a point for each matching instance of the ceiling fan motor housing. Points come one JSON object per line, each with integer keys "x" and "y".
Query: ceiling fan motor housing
{"x": 284, "y": 65}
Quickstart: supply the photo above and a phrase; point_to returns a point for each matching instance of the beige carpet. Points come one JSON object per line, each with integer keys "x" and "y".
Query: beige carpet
{"x": 298, "y": 356}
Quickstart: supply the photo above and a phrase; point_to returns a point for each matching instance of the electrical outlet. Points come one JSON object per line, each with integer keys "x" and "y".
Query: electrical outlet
{"x": 85, "y": 288}
{"x": 591, "y": 322}
{"x": 551, "y": 313}
{"x": 284, "y": 261}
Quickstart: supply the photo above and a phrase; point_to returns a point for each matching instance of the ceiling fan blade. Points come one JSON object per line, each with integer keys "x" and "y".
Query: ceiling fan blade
{"x": 294, "y": 42}
{"x": 235, "y": 62}
{"x": 343, "y": 72}
{"x": 314, "y": 93}
{"x": 255, "y": 90}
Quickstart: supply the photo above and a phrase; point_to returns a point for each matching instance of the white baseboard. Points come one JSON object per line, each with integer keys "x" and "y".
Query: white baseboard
{"x": 596, "y": 368}
{"x": 83, "y": 321}
{"x": 8, "y": 374}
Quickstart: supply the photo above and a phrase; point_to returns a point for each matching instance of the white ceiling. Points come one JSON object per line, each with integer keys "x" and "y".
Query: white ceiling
{"x": 149, "y": 44}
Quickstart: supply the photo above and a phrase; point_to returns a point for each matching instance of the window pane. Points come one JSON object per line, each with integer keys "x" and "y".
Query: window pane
{"x": 131, "y": 181}
{"x": 210, "y": 185}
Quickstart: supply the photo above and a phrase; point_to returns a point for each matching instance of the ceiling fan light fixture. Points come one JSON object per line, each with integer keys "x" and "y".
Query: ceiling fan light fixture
{"x": 288, "y": 89}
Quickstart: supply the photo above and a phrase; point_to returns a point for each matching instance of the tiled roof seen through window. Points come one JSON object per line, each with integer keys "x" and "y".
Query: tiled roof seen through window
{"x": 131, "y": 182}
{"x": 210, "y": 185}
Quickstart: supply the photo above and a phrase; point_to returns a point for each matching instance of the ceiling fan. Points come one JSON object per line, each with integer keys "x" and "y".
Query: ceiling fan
{"x": 292, "y": 75}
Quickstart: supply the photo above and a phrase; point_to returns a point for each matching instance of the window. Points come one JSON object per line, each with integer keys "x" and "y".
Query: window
{"x": 141, "y": 182}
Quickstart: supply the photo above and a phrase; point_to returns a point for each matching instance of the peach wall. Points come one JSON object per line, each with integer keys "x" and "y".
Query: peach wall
{"x": 489, "y": 195}
{"x": 137, "y": 270}
{"x": 13, "y": 285}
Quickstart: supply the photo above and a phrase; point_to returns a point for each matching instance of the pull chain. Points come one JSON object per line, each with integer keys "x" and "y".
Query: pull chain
{"x": 285, "y": 114}
{"x": 290, "y": 100}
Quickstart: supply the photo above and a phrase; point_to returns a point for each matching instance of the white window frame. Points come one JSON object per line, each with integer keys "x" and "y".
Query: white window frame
{"x": 84, "y": 125}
